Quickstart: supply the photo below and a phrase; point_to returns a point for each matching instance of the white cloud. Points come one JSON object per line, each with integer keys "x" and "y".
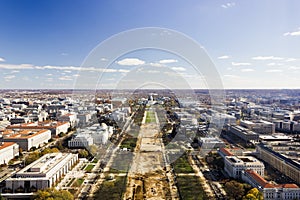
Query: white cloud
{"x": 228, "y": 5}
{"x": 223, "y": 57}
{"x": 294, "y": 67}
{"x": 273, "y": 70}
{"x": 103, "y": 59}
{"x": 231, "y": 76}
{"x": 178, "y": 69}
{"x": 267, "y": 58}
{"x": 156, "y": 65}
{"x": 130, "y": 62}
{"x": 67, "y": 69}
{"x": 2, "y": 59}
{"x": 274, "y": 64}
{"x": 76, "y": 75}
{"x": 65, "y": 78}
{"x": 21, "y": 66}
{"x": 123, "y": 70}
{"x": 49, "y": 74}
{"x": 247, "y": 70}
{"x": 9, "y": 77}
{"x": 293, "y": 33}
{"x": 240, "y": 64}
{"x": 166, "y": 61}
{"x": 14, "y": 71}
{"x": 290, "y": 59}
{"x": 64, "y": 54}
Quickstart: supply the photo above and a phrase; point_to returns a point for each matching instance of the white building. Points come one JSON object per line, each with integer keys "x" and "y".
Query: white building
{"x": 43, "y": 173}
{"x": 55, "y": 127}
{"x": 259, "y": 126}
{"x": 234, "y": 165}
{"x": 271, "y": 191}
{"x": 81, "y": 140}
{"x": 27, "y": 139}
{"x": 8, "y": 150}
{"x": 70, "y": 117}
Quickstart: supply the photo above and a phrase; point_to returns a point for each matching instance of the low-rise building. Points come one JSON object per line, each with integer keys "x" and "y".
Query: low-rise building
{"x": 42, "y": 173}
{"x": 26, "y": 139}
{"x": 259, "y": 126}
{"x": 81, "y": 140}
{"x": 8, "y": 150}
{"x": 234, "y": 165}
{"x": 284, "y": 164}
{"x": 70, "y": 117}
{"x": 243, "y": 133}
{"x": 55, "y": 127}
{"x": 211, "y": 142}
{"x": 271, "y": 191}
{"x": 223, "y": 152}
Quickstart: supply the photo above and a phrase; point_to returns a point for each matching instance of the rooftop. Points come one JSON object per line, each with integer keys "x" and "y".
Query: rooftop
{"x": 22, "y": 134}
{"x": 43, "y": 164}
{"x": 4, "y": 145}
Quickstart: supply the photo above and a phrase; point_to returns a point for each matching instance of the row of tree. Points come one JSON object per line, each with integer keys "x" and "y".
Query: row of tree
{"x": 241, "y": 191}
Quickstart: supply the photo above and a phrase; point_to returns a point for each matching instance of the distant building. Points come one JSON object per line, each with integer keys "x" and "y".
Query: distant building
{"x": 223, "y": 152}
{"x": 259, "y": 126}
{"x": 211, "y": 143}
{"x": 8, "y": 150}
{"x": 27, "y": 139}
{"x": 19, "y": 120}
{"x": 55, "y": 127}
{"x": 71, "y": 118}
{"x": 43, "y": 173}
{"x": 282, "y": 163}
{"x": 271, "y": 191}
{"x": 275, "y": 138}
{"x": 243, "y": 133}
{"x": 234, "y": 165}
{"x": 80, "y": 141}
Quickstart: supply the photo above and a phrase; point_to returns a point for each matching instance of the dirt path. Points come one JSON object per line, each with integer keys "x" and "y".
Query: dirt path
{"x": 147, "y": 178}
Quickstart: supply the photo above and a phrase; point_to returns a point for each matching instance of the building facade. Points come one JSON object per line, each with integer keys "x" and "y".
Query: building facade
{"x": 26, "y": 139}
{"x": 235, "y": 165}
{"x": 282, "y": 163}
{"x": 271, "y": 191}
{"x": 8, "y": 150}
{"x": 43, "y": 173}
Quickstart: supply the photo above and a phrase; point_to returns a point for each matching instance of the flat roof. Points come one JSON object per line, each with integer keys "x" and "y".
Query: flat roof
{"x": 43, "y": 164}
{"x": 6, "y": 144}
{"x": 23, "y": 134}
{"x": 243, "y": 159}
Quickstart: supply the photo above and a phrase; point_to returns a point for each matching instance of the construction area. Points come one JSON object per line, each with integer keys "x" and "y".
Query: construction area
{"x": 148, "y": 177}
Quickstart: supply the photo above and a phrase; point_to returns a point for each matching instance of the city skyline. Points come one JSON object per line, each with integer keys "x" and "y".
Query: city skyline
{"x": 253, "y": 44}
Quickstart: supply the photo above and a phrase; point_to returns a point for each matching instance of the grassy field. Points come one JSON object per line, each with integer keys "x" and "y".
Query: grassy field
{"x": 112, "y": 190}
{"x": 89, "y": 168}
{"x": 190, "y": 188}
{"x": 128, "y": 143}
{"x": 150, "y": 117}
{"x": 78, "y": 182}
{"x": 181, "y": 165}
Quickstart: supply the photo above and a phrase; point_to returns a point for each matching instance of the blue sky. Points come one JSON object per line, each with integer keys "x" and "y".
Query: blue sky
{"x": 253, "y": 43}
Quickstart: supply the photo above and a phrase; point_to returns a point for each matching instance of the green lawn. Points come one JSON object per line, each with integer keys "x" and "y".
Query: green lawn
{"x": 150, "y": 117}
{"x": 89, "y": 168}
{"x": 112, "y": 190}
{"x": 129, "y": 143}
{"x": 78, "y": 182}
{"x": 181, "y": 165}
{"x": 190, "y": 188}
